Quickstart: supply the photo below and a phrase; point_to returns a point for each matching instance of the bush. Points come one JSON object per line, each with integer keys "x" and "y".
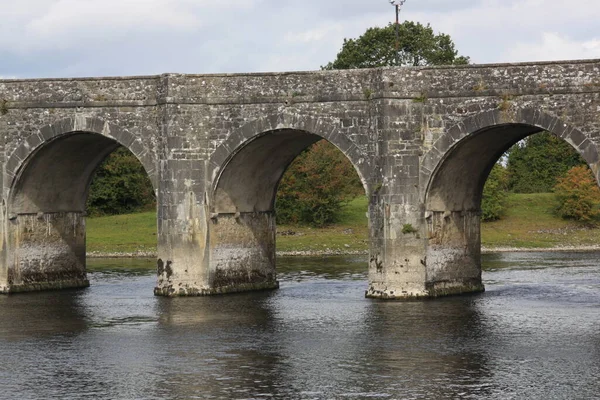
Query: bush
{"x": 316, "y": 185}
{"x": 120, "y": 185}
{"x": 493, "y": 201}
{"x": 578, "y": 195}
{"x": 535, "y": 163}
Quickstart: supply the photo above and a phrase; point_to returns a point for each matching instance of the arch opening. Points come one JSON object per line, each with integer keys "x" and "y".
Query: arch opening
{"x": 248, "y": 182}
{"x": 56, "y": 177}
{"x": 457, "y": 183}
{"x": 453, "y": 204}
{"x": 243, "y": 223}
{"x": 46, "y": 230}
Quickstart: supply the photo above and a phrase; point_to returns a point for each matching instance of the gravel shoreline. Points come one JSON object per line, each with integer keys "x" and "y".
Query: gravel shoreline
{"x": 329, "y": 252}
{"x": 486, "y": 250}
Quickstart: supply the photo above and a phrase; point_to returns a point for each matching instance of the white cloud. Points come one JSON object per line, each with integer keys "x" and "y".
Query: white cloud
{"x": 552, "y": 46}
{"x": 489, "y": 28}
{"x": 68, "y": 15}
{"x": 74, "y": 23}
{"x": 115, "y": 37}
{"x": 314, "y": 35}
{"x": 32, "y": 25}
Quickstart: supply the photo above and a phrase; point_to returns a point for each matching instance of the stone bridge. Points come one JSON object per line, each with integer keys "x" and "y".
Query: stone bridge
{"x": 422, "y": 140}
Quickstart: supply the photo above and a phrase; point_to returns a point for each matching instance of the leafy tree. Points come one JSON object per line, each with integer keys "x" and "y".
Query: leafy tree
{"x": 316, "y": 185}
{"x": 578, "y": 195}
{"x": 535, "y": 163}
{"x": 120, "y": 185}
{"x": 418, "y": 45}
{"x": 495, "y": 195}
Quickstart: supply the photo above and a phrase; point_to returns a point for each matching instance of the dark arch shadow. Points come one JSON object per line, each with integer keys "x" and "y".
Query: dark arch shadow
{"x": 530, "y": 120}
{"x": 249, "y": 177}
{"x": 320, "y": 128}
{"x": 91, "y": 125}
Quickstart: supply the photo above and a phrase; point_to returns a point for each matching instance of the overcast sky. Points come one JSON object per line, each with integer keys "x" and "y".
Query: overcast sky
{"x": 62, "y": 38}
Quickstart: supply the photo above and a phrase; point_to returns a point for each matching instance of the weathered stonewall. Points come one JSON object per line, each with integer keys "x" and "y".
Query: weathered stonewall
{"x": 215, "y": 146}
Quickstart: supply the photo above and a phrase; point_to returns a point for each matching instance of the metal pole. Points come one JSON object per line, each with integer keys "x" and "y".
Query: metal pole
{"x": 397, "y": 4}
{"x": 397, "y": 35}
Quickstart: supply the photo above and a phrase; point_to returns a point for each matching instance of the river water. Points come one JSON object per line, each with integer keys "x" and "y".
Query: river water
{"x": 534, "y": 334}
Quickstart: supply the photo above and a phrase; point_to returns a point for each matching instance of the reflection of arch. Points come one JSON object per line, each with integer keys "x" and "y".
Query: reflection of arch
{"x": 246, "y": 168}
{"x": 49, "y": 133}
{"x": 467, "y": 150}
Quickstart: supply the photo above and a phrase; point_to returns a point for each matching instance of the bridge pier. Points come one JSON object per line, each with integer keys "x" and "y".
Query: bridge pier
{"x": 242, "y": 252}
{"x": 44, "y": 251}
{"x": 224, "y": 253}
{"x": 183, "y": 232}
{"x": 440, "y": 256}
{"x": 397, "y": 260}
{"x": 453, "y": 253}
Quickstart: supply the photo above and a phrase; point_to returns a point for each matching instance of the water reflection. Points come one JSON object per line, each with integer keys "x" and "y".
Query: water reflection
{"x": 534, "y": 333}
{"x": 35, "y": 315}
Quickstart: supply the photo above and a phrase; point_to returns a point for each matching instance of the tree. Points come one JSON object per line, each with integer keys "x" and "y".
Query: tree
{"x": 495, "y": 195}
{"x": 316, "y": 185}
{"x": 120, "y": 185}
{"x": 418, "y": 45}
{"x": 535, "y": 163}
{"x": 578, "y": 195}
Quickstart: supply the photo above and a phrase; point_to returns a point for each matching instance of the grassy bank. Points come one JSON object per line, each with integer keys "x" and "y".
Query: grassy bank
{"x": 529, "y": 223}
{"x": 126, "y": 233}
{"x": 350, "y": 234}
{"x": 133, "y": 233}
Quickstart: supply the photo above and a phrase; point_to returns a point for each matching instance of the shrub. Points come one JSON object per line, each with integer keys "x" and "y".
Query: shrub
{"x": 120, "y": 185}
{"x": 493, "y": 201}
{"x": 535, "y": 163}
{"x": 578, "y": 195}
{"x": 316, "y": 185}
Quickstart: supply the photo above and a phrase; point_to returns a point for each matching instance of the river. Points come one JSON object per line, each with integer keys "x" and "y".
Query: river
{"x": 534, "y": 333}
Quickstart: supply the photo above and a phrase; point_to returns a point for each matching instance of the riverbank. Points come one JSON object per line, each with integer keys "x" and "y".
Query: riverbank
{"x": 325, "y": 253}
{"x": 528, "y": 226}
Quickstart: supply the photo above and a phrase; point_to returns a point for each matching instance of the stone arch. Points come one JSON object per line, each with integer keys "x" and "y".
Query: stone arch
{"x": 528, "y": 120}
{"x": 244, "y": 173}
{"x": 454, "y": 172}
{"x": 306, "y": 130}
{"x": 46, "y": 183}
{"x": 18, "y": 159}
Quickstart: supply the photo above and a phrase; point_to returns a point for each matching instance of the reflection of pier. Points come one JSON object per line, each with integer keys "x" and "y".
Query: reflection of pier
{"x": 42, "y": 315}
{"x": 215, "y": 146}
{"x": 304, "y": 342}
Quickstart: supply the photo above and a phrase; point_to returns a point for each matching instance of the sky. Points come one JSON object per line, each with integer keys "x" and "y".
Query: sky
{"x": 74, "y": 38}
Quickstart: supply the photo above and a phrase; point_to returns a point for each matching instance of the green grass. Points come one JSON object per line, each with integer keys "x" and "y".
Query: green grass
{"x": 350, "y": 234}
{"x": 137, "y": 232}
{"x": 122, "y": 233}
{"x": 529, "y": 223}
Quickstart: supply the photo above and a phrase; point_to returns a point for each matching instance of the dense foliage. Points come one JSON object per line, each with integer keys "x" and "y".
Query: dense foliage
{"x": 495, "y": 194}
{"x": 315, "y": 186}
{"x": 418, "y": 45}
{"x": 120, "y": 185}
{"x": 535, "y": 163}
{"x": 578, "y": 195}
